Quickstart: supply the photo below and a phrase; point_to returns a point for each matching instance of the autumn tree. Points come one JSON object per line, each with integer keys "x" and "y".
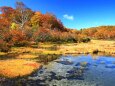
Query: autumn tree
{"x": 48, "y": 21}
{"x": 22, "y": 14}
{"x": 53, "y": 22}
{"x": 37, "y": 20}
{"x": 6, "y": 16}
{"x": 7, "y": 13}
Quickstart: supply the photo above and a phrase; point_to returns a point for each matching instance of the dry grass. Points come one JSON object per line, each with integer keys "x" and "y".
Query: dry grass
{"x": 26, "y": 56}
{"x": 17, "y": 67}
{"x": 2, "y": 53}
{"x": 20, "y": 66}
{"x": 107, "y": 47}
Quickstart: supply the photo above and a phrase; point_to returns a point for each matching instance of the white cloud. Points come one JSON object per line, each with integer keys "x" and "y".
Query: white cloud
{"x": 69, "y": 17}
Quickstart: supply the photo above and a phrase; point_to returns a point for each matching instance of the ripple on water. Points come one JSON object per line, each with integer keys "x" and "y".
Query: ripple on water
{"x": 79, "y": 71}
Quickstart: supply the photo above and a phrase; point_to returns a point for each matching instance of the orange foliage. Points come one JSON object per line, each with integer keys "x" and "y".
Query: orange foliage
{"x": 47, "y": 20}
{"x": 102, "y": 32}
{"x": 35, "y": 26}
{"x": 17, "y": 35}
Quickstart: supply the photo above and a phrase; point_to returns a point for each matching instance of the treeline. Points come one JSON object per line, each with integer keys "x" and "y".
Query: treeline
{"x": 101, "y": 32}
{"x": 20, "y": 26}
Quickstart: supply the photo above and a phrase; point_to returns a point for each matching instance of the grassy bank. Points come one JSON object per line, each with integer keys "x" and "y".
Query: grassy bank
{"x": 21, "y": 61}
{"x": 17, "y": 67}
{"x": 102, "y": 46}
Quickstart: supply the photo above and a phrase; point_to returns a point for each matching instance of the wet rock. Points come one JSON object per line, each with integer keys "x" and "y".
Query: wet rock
{"x": 82, "y": 68}
{"x": 95, "y": 51}
{"x": 65, "y": 62}
{"x": 83, "y": 64}
{"x": 60, "y": 77}
{"x": 75, "y": 73}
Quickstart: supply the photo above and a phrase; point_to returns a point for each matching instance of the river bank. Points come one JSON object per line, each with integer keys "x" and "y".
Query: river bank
{"x": 21, "y": 61}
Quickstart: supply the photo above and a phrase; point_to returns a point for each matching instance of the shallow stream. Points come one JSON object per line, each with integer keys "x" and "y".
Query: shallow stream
{"x": 82, "y": 70}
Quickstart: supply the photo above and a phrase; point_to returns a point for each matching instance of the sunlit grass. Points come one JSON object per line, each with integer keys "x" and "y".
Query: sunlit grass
{"x": 100, "y": 45}
{"x": 51, "y": 52}
{"x": 45, "y": 48}
{"x": 20, "y": 66}
{"x": 2, "y": 53}
{"x": 27, "y": 56}
{"x": 15, "y": 68}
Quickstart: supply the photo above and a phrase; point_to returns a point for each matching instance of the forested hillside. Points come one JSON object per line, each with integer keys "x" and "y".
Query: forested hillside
{"x": 21, "y": 26}
{"x": 101, "y": 32}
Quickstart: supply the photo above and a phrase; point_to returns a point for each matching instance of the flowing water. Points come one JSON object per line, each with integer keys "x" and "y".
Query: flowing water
{"x": 83, "y": 70}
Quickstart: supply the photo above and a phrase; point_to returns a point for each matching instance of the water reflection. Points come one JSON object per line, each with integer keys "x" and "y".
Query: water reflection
{"x": 83, "y": 70}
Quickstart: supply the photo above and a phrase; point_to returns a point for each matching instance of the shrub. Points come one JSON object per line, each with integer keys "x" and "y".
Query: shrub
{"x": 21, "y": 43}
{"x": 85, "y": 40}
{"x": 19, "y": 38}
{"x": 42, "y": 35}
{"x": 95, "y": 51}
{"x": 45, "y": 35}
{"x": 4, "y": 47}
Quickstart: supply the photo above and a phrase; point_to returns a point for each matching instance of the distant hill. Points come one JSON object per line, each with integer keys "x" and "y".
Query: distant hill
{"x": 101, "y": 32}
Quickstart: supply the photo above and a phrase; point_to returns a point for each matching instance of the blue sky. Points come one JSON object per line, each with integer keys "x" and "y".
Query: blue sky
{"x": 74, "y": 13}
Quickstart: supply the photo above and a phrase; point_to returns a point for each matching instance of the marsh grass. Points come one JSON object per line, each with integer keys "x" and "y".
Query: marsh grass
{"x": 21, "y": 61}
{"x": 17, "y": 67}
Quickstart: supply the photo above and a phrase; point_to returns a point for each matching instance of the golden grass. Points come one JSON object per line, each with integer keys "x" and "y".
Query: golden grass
{"x": 107, "y": 47}
{"x": 26, "y": 56}
{"x": 2, "y": 53}
{"x": 21, "y": 66}
{"x": 51, "y": 52}
{"x": 100, "y": 45}
{"x": 17, "y": 67}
